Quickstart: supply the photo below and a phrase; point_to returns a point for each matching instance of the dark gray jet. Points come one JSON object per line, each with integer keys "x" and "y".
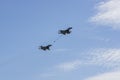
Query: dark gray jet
{"x": 66, "y": 31}
{"x": 45, "y": 47}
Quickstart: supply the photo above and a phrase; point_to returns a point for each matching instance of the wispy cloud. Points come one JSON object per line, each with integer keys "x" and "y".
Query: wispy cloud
{"x": 108, "y": 13}
{"x": 105, "y": 57}
{"x": 109, "y": 59}
{"x": 69, "y": 66}
{"x": 106, "y": 76}
{"x": 60, "y": 68}
{"x": 100, "y": 38}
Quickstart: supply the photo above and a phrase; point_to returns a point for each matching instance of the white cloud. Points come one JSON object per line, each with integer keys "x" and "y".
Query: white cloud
{"x": 106, "y": 76}
{"x": 105, "y": 57}
{"x": 108, "y": 59}
{"x": 69, "y": 66}
{"x": 108, "y": 13}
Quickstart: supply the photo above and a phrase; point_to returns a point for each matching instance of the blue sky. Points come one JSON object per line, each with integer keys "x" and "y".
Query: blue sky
{"x": 90, "y": 52}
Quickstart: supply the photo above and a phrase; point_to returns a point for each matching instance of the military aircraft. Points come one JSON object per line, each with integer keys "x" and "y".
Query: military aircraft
{"x": 45, "y": 47}
{"x": 66, "y": 31}
{"x": 63, "y": 32}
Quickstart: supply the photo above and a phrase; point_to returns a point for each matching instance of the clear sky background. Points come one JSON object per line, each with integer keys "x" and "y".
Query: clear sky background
{"x": 90, "y": 52}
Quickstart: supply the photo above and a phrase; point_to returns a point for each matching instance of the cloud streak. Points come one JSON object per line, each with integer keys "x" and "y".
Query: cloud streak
{"x": 105, "y": 57}
{"x": 106, "y": 76}
{"x": 108, "y": 13}
{"x": 69, "y": 66}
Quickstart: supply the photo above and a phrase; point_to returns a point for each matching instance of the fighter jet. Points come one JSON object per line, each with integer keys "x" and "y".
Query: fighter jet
{"x": 66, "y": 31}
{"x": 45, "y": 47}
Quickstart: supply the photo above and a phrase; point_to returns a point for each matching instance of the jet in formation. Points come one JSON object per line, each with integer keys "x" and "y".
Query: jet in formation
{"x": 66, "y": 31}
{"x": 63, "y": 32}
{"x": 45, "y": 47}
